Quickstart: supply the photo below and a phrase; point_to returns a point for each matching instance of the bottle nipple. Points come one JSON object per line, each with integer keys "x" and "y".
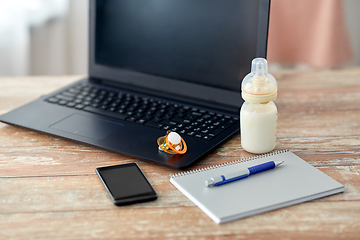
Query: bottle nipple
{"x": 259, "y": 86}
{"x": 259, "y": 67}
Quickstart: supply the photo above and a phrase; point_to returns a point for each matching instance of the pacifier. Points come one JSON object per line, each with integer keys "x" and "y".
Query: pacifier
{"x": 172, "y": 143}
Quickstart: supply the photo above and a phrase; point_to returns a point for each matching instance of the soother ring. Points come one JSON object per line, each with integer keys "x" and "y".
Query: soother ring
{"x": 172, "y": 143}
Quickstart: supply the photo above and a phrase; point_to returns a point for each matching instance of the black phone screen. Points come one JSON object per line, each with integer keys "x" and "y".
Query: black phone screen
{"x": 126, "y": 184}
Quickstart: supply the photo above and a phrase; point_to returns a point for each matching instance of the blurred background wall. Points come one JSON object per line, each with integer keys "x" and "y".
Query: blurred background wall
{"x": 352, "y": 19}
{"x": 50, "y": 37}
{"x": 60, "y": 46}
{"x": 43, "y": 37}
{"x": 314, "y": 33}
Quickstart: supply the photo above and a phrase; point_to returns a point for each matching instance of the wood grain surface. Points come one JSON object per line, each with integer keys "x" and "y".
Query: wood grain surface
{"x": 49, "y": 189}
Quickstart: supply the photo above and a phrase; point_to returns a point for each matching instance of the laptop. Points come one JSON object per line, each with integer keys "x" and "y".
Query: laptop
{"x": 155, "y": 66}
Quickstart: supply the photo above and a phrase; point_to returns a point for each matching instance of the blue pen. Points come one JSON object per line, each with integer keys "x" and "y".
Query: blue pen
{"x": 234, "y": 176}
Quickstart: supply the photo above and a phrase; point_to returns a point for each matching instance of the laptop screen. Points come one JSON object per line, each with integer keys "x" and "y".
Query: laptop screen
{"x": 206, "y": 42}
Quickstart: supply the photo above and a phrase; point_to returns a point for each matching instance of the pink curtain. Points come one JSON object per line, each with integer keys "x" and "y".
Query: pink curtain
{"x": 311, "y": 32}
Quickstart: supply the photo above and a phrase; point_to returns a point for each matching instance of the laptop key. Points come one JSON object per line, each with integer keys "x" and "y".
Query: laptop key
{"x": 153, "y": 124}
{"x": 191, "y": 133}
{"x": 74, "y": 90}
{"x": 68, "y": 94}
{"x": 205, "y": 131}
{"x": 214, "y": 133}
{"x": 71, "y": 104}
{"x": 183, "y": 131}
{"x": 141, "y": 121}
{"x": 166, "y": 127}
{"x": 167, "y": 122}
{"x": 62, "y": 102}
{"x": 208, "y": 137}
{"x": 79, "y": 106}
{"x": 196, "y": 114}
{"x": 200, "y": 120}
{"x": 61, "y": 97}
{"x": 53, "y": 100}
{"x": 131, "y": 119}
{"x": 156, "y": 119}
{"x": 104, "y": 112}
{"x": 197, "y": 129}
{"x": 211, "y": 135}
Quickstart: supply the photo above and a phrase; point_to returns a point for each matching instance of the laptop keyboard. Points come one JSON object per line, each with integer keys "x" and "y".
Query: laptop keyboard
{"x": 182, "y": 119}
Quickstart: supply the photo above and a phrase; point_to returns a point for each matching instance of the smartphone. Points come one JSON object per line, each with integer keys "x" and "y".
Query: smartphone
{"x": 126, "y": 184}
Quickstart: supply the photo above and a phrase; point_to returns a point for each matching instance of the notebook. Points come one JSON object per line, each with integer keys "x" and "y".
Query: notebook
{"x": 293, "y": 182}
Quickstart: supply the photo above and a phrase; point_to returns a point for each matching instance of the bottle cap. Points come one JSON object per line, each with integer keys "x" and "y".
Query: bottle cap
{"x": 259, "y": 86}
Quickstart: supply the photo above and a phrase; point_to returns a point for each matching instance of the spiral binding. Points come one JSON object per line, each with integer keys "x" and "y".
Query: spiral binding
{"x": 228, "y": 163}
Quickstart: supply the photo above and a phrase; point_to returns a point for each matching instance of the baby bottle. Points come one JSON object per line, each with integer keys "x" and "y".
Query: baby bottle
{"x": 258, "y": 114}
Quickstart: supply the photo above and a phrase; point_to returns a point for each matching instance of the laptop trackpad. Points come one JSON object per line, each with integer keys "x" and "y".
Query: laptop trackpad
{"x": 90, "y": 127}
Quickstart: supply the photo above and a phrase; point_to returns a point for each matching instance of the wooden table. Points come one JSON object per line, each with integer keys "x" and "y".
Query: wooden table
{"x": 49, "y": 189}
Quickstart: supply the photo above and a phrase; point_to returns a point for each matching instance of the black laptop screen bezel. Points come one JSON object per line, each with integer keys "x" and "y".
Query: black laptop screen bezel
{"x": 221, "y": 98}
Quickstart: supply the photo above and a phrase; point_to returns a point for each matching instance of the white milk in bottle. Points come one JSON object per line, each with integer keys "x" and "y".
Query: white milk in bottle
{"x": 258, "y": 114}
